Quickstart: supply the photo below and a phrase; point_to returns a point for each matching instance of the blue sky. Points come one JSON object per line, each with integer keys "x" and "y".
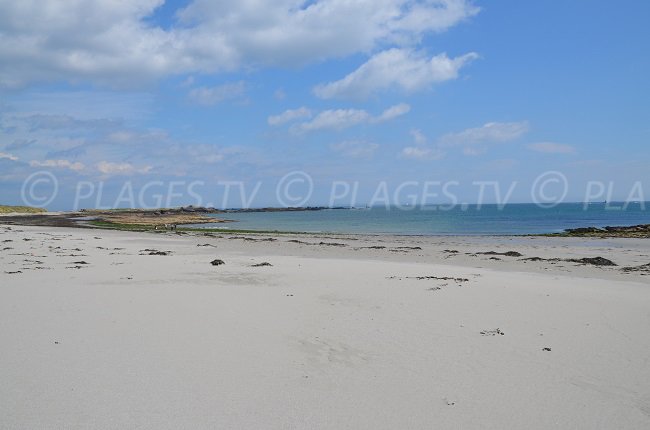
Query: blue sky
{"x": 108, "y": 92}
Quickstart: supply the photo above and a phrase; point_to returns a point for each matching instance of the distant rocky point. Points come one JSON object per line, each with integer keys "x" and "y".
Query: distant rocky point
{"x": 210, "y": 210}
{"x": 139, "y": 219}
{"x": 640, "y": 231}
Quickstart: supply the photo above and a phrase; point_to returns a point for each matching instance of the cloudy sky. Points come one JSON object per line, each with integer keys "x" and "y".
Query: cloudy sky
{"x": 106, "y": 91}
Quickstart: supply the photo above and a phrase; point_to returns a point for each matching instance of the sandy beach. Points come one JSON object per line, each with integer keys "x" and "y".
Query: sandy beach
{"x": 108, "y": 329}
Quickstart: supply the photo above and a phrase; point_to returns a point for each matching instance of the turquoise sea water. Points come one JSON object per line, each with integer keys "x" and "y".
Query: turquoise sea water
{"x": 432, "y": 220}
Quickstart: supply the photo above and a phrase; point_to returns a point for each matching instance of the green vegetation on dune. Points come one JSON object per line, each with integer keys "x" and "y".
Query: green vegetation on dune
{"x": 117, "y": 226}
{"x": 20, "y": 209}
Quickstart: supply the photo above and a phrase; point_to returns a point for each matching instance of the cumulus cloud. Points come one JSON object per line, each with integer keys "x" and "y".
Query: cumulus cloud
{"x": 63, "y": 164}
{"x": 339, "y": 119}
{"x": 551, "y": 148}
{"x": 475, "y": 141}
{"x": 491, "y": 132}
{"x": 109, "y": 168}
{"x": 301, "y": 31}
{"x": 355, "y": 148}
{"x": 421, "y": 150}
{"x": 209, "y": 96}
{"x": 393, "y": 112}
{"x": 289, "y": 115}
{"x": 422, "y": 153}
{"x": 9, "y": 157}
{"x": 334, "y": 119}
{"x": 100, "y": 40}
{"x": 104, "y": 151}
{"x": 418, "y": 136}
{"x": 117, "y": 43}
{"x": 401, "y": 69}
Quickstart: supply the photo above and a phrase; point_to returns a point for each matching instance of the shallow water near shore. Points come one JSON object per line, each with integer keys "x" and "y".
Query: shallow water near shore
{"x": 439, "y": 220}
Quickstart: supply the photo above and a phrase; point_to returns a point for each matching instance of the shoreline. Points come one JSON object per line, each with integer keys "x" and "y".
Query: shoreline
{"x": 199, "y": 219}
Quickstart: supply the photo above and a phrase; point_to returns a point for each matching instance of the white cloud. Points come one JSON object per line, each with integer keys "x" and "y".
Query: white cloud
{"x": 393, "y": 112}
{"x": 63, "y": 164}
{"x": 289, "y": 115}
{"x": 339, "y": 119}
{"x": 105, "y": 41}
{"x": 418, "y": 137}
{"x": 422, "y": 153}
{"x": 491, "y": 132}
{"x": 110, "y": 147}
{"x": 300, "y": 31}
{"x": 209, "y": 96}
{"x": 435, "y": 16}
{"x": 355, "y": 148}
{"x": 402, "y": 69}
{"x": 10, "y": 157}
{"x": 101, "y": 40}
{"x": 551, "y": 148}
{"x": 335, "y": 119}
{"x": 109, "y": 168}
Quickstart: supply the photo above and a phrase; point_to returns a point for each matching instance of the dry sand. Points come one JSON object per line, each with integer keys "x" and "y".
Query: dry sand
{"x": 97, "y": 333}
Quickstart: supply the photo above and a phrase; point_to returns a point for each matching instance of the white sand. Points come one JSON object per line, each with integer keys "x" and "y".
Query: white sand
{"x": 329, "y": 337}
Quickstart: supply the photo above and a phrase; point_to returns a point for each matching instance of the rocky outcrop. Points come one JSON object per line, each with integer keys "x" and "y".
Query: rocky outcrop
{"x": 640, "y": 231}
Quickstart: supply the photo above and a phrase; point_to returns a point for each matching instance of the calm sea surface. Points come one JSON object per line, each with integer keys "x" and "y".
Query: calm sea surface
{"x": 432, "y": 220}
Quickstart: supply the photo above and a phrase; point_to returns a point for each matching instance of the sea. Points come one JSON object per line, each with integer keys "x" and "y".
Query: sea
{"x": 511, "y": 219}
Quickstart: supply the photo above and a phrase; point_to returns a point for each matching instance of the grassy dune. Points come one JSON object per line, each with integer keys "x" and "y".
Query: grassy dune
{"x": 20, "y": 209}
